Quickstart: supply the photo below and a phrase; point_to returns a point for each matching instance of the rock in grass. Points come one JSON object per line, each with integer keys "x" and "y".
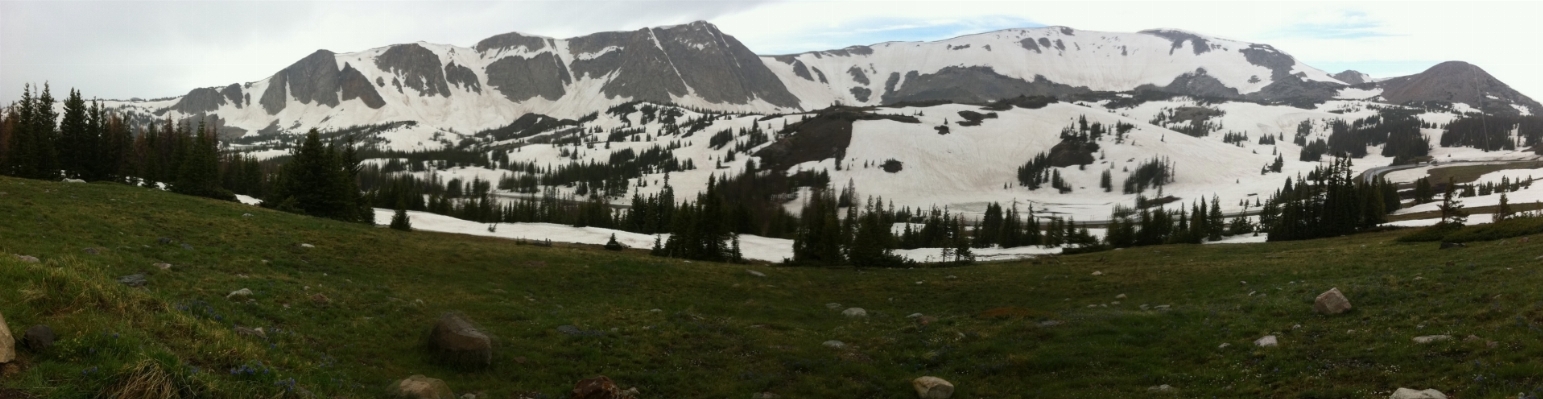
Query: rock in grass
{"x": 163, "y": 266}
{"x": 833, "y": 306}
{"x": 834, "y": 344}
{"x": 854, "y": 312}
{"x": 930, "y": 387}
{"x": 39, "y": 338}
{"x": 420, "y": 387}
{"x": 1267, "y": 341}
{"x": 7, "y": 343}
{"x": 600, "y": 387}
{"x": 1431, "y": 338}
{"x": 1406, "y": 393}
{"x": 238, "y": 294}
{"x": 27, "y": 259}
{"x": 251, "y": 332}
{"x": 765, "y": 395}
{"x": 133, "y": 280}
{"x": 456, "y": 341}
{"x": 755, "y": 273}
{"x": 1331, "y": 302}
{"x": 1161, "y": 388}
{"x": 307, "y": 246}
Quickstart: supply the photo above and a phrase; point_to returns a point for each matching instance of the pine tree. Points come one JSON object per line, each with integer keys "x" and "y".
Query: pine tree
{"x": 72, "y": 145}
{"x": 1451, "y": 208}
{"x": 199, "y": 172}
{"x": 317, "y": 182}
{"x": 400, "y": 221}
{"x": 1504, "y": 210}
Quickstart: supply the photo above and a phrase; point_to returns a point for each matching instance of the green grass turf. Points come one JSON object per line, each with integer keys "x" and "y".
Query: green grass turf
{"x": 724, "y": 333}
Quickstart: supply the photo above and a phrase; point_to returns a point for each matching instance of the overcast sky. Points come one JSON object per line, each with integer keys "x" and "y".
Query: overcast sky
{"x": 122, "y": 49}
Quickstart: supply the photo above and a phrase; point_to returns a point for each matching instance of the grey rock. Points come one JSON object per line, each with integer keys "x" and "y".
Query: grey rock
{"x": 1267, "y": 341}
{"x": 577, "y": 332}
{"x": 854, "y": 312}
{"x": 756, "y": 273}
{"x": 929, "y": 387}
{"x": 187, "y": 247}
{"x": 420, "y": 387}
{"x": 913, "y": 315}
{"x": 1406, "y": 393}
{"x": 834, "y": 344}
{"x": 1161, "y": 388}
{"x": 133, "y": 280}
{"x": 39, "y": 338}
{"x": 765, "y": 395}
{"x": 27, "y": 259}
{"x": 456, "y": 341}
{"x": 418, "y": 67}
{"x": 1431, "y": 338}
{"x": 239, "y": 294}
{"x": 251, "y": 332}
{"x": 163, "y": 266}
{"x": 833, "y": 306}
{"x": 520, "y": 79}
{"x": 7, "y": 342}
{"x": 1331, "y": 302}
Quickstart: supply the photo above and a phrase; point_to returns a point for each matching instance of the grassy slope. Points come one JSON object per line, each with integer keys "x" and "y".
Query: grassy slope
{"x": 725, "y": 333}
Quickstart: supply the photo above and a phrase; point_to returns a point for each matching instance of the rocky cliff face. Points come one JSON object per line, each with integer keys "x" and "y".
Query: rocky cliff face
{"x": 465, "y": 89}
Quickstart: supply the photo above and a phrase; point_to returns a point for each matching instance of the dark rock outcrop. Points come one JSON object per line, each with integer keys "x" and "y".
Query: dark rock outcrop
{"x": 312, "y": 79}
{"x": 462, "y": 77}
{"x": 1029, "y": 44}
{"x": 521, "y": 79}
{"x": 658, "y": 64}
{"x": 1286, "y": 87}
{"x": 858, "y": 75}
{"x": 353, "y": 85}
{"x": 977, "y": 84}
{"x": 1457, "y": 82}
{"x": 200, "y": 100}
{"x": 1197, "y": 43}
{"x": 1198, "y": 84}
{"x": 802, "y": 71}
{"x": 1352, "y": 77}
{"x": 824, "y": 136}
{"x": 861, "y": 93}
{"x": 418, "y": 66}
{"x": 511, "y": 41}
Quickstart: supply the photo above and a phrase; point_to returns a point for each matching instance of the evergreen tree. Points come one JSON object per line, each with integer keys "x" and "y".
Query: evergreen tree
{"x": 1504, "y": 210}
{"x": 1451, "y": 208}
{"x": 316, "y": 182}
{"x": 74, "y": 144}
{"x": 199, "y": 172}
{"x": 400, "y": 221}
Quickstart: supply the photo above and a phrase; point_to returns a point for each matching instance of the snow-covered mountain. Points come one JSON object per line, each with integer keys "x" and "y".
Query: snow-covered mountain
{"x": 449, "y": 89}
{"x": 1220, "y": 112}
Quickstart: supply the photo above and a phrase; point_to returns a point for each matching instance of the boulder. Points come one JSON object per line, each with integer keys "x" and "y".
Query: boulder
{"x": 1161, "y": 388}
{"x": 1331, "y": 302}
{"x": 27, "y": 259}
{"x": 39, "y": 338}
{"x": 930, "y": 387}
{"x": 854, "y": 312}
{"x": 1431, "y": 338}
{"x": 251, "y": 332}
{"x": 1267, "y": 341}
{"x": 420, "y": 387}
{"x": 833, "y": 306}
{"x": 163, "y": 266}
{"x": 238, "y": 294}
{"x": 457, "y": 342}
{"x": 755, "y": 273}
{"x": 600, "y": 387}
{"x": 133, "y": 280}
{"x": 7, "y": 343}
{"x": 834, "y": 344}
{"x": 1406, "y": 393}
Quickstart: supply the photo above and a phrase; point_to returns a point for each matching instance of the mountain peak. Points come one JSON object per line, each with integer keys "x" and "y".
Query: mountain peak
{"x": 1457, "y": 82}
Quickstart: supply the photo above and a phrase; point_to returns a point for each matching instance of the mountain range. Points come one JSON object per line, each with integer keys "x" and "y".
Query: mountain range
{"x": 492, "y": 83}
